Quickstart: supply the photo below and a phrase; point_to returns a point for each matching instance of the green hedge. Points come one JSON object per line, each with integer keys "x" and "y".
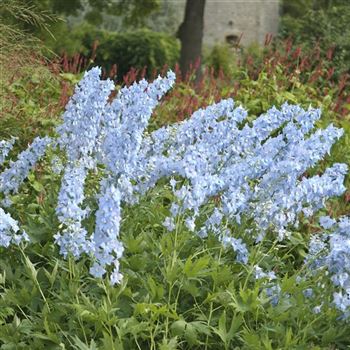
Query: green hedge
{"x": 137, "y": 49}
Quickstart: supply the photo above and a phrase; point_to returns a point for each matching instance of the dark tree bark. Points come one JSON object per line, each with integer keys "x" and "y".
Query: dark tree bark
{"x": 190, "y": 34}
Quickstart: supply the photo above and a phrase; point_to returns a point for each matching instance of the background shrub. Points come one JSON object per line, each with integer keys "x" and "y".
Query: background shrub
{"x": 222, "y": 58}
{"x": 138, "y": 49}
{"x": 322, "y": 22}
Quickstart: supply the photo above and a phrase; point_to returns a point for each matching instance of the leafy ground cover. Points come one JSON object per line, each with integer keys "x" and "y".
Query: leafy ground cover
{"x": 179, "y": 291}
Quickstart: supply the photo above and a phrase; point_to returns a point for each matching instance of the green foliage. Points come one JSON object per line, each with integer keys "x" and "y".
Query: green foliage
{"x": 30, "y": 102}
{"x": 69, "y": 41}
{"x": 135, "y": 12}
{"x": 222, "y": 58}
{"x": 137, "y": 49}
{"x": 326, "y": 23}
{"x": 296, "y": 8}
{"x": 58, "y": 7}
{"x": 61, "y": 25}
{"x": 179, "y": 291}
{"x": 15, "y": 42}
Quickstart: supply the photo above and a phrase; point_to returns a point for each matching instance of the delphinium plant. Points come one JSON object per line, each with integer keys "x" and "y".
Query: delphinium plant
{"x": 329, "y": 256}
{"x": 231, "y": 179}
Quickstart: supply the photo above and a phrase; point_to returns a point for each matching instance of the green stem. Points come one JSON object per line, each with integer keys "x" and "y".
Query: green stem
{"x": 211, "y": 304}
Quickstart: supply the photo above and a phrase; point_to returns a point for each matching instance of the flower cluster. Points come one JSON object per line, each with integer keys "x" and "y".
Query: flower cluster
{"x": 73, "y": 239}
{"x": 330, "y": 251}
{"x": 15, "y": 174}
{"x": 95, "y": 132}
{"x": 253, "y": 173}
{"x": 108, "y": 249}
{"x": 79, "y": 132}
{"x": 5, "y": 148}
{"x": 255, "y": 170}
{"x": 10, "y": 181}
{"x": 78, "y": 138}
{"x": 9, "y": 230}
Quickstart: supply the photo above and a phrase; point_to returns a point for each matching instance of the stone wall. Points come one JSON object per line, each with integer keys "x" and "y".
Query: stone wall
{"x": 226, "y": 20}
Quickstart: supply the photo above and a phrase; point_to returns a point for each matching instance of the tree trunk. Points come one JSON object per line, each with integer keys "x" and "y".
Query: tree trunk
{"x": 190, "y": 34}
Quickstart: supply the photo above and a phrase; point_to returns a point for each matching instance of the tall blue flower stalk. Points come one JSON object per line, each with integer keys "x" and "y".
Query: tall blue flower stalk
{"x": 329, "y": 253}
{"x": 94, "y": 132}
{"x": 11, "y": 179}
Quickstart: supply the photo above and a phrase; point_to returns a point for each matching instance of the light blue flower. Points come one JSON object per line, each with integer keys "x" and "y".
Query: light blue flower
{"x": 331, "y": 253}
{"x": 15, "y": 174}
{"x": 9, "y": 231}
{"x": 5, "y": 148}
{"x": 259, "y": 273}
{"x": 238, "y": 246}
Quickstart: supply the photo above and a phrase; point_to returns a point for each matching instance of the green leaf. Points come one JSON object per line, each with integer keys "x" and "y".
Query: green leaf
{"x": 185, "y": 329}
{"x": 79, "y": 345}
{"x": 196, "y": 268}
{"x": 37, "y": 186}
{"x": 170, "y": 344}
